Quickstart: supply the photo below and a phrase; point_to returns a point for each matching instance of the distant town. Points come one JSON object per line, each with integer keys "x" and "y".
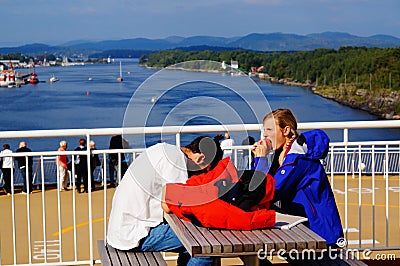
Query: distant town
{"x": 65, "y": 61}
{"x": 10, "y": 78}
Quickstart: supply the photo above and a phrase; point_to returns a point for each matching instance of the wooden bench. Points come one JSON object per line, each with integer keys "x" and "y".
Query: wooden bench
{"x": 250, "y": 245}
{"x": 112, "y": 257}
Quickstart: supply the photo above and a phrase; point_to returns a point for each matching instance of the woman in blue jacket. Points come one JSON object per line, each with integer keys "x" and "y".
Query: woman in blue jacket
{"x": 302, "y": 187}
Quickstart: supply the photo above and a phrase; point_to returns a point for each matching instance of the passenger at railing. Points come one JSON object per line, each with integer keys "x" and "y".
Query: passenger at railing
{"x": 227, "y": 143}
{"x": 94, "y": 162}
{"x": 246, "y": 155}
{"x": 6, "y": 167}
{"x": 302, "y": 187}
{"x": 81, "y": 168}
{"x": 116, "y": 142}
{"x": 136, "y": 218}
{"x": 22, "y": 167}
{"x": 62, "y": 167}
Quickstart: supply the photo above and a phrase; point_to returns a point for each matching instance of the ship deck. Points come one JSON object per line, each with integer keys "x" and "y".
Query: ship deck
{"x": 51, "y": 198}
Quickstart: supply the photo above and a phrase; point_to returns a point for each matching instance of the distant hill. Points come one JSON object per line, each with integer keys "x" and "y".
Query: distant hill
{"x": 256, "y": 41}
{"x": 29, "y": 49}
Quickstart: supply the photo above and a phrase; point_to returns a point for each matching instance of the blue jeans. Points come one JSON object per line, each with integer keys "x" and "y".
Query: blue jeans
{"x": 162, "y": 238}
{"x": 23, "y": 173}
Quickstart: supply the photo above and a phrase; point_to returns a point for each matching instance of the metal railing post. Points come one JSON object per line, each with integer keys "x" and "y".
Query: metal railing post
{"x": 178, "y": 139}
{"x": 89, "y": 187}
{"x": 359, "y": 197}
{"x": 28, "y": 208}
{"x": 44, "y": 210}
{"x": 386, "y": 174}
{"x": 373, "y": 194}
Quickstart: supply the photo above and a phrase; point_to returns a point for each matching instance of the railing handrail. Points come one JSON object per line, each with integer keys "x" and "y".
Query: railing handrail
{"x": 191, "y": 129}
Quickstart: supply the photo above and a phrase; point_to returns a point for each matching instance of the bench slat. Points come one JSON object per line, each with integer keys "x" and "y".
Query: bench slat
{"x": 299, "y": 242}
{"x": 132, "y": 258}
{"x": 268, "y": 243}
{"x": 203, "y": 242}
{"x": 113, "y": 257}
{"x": 155, "y": 256}
{"x": 289, "y": 242}
{"x": 123, "y": 258}
{"x": 247, "y": 244}
{"x": 311, "y": 243}
{"x": 141, "y": 258}
{"x": 225, "y": 243}
{"x": 215, "y": 244}
{"x": 279, "y": 243}
{"x": 254, "y": 240}
{"x": 105, "y": 260}
{"x": 237, "y": 245}
{"x": 112, "y": 254}
{"x": 186, "y": 237}
{"x": 151, "y": 258}
{"x": 321, "y": 243}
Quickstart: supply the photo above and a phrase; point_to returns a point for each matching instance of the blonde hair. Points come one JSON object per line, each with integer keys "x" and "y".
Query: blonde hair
{"x": 63, "y": 143}
{"x": 284, "y": 117}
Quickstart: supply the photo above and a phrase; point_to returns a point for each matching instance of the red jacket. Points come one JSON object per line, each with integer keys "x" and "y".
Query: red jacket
{"x": 197, "y": 201}
{"x": 62, "y": 159}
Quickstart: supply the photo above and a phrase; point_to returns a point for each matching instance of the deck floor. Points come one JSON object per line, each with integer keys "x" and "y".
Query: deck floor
{"x": 67, "y": 230}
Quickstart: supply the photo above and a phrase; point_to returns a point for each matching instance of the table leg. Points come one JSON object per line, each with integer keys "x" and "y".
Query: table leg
{"x": 217, "y": 261}
{"x": 250, "y": 260}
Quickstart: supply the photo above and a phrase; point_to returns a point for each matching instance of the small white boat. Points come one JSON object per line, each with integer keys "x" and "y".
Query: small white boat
{"x": 12, "y": 85}
{"x": 53, "y": 79}
{"x": 90, "y": 78}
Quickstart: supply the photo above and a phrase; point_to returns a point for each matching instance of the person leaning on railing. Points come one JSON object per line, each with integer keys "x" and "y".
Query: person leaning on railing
{"x": 23, "y": 167}
{"x": 62, "y": 167}
{"x": 116, "y": 142}
{"x": 302, "y": 187}
{"x": 6, "y": 167}
{"x": 94, "y": 162}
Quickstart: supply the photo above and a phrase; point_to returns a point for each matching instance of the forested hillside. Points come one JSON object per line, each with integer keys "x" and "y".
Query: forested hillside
{"x": 365, "y": 78}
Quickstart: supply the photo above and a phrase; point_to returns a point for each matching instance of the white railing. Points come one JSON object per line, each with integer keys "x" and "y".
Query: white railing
{"x": 78, "y": 220}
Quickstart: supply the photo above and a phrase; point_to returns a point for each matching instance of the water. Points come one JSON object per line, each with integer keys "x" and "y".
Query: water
{"x": 76, "y": 102}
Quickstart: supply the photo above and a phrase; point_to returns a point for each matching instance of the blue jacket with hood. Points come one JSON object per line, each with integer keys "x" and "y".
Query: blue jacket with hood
{"x": 302, "y": 186}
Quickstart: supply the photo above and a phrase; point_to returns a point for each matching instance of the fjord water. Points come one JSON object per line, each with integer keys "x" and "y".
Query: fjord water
{"x": 76, "y": 102}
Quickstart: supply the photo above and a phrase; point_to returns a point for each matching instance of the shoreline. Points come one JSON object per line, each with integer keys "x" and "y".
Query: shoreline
{"x": 383, "y": 105}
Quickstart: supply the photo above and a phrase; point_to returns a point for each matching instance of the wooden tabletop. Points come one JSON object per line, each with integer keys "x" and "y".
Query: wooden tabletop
{"x": 200, "y": 241}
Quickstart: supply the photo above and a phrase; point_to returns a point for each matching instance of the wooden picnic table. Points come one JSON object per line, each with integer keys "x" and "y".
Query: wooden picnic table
{"x": 200, "y": 241}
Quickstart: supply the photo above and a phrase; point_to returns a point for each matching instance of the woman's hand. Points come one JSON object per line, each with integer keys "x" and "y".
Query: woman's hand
{"x": 262, "y": 148}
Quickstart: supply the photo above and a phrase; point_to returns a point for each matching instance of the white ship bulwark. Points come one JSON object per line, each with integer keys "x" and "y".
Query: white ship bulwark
{"x": 7, "y": 77}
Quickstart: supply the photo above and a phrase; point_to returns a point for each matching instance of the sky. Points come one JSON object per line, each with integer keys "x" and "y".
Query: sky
{"x": 56, "y": 22}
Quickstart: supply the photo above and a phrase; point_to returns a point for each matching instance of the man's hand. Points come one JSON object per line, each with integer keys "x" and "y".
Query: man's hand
{"x": 164, "y": 205}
